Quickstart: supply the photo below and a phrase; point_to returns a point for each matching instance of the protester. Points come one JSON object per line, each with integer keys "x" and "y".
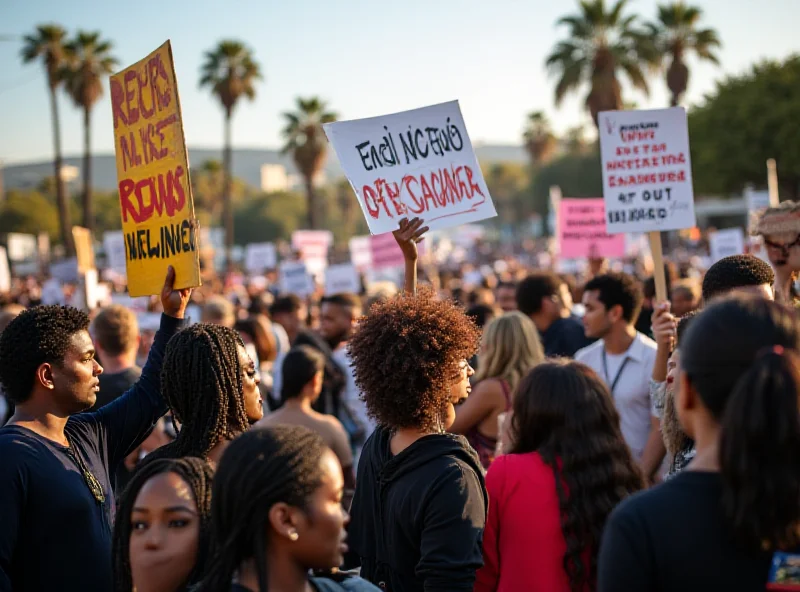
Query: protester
{"x": 716, "y": 524}
{"x": 740, "y": 273}
{"x": 544, "y": 298}
{"x": 290, "y": 313}
{"x": 420, "y": 501}
{"x": 277, "y": 514}
{"x": 624, "y": 359}
{"x": 780, "y": 230}
{"x": 115, "y": 332}
{"x": 218, "y": 310}
{"x": 684, "y": 297}
{"x": 161, "y": 531}
{"x": 505, "y": 296}
{"x": 510, "y": 348}
{"x": 550, "y": 496}
{"x": 303, "y": 370}
{"x": 56, "y": 502}
{"x": 7, "y": 314}
{"x": 211, "y": 386}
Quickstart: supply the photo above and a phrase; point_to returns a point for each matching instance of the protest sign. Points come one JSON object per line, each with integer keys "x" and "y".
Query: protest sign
{"x": 53, "y": 292}
{"x": 259, "y": 257}
{"x": 153, "y": 172}
{"x": 342, "y": 278}
{"x": 386, "y": 252}
{"x": 313, "y": 245}
{"x": 114, "y": 246}
{"x": 724, "y": 243}
{"x": 647, "y": 173}
{"x": 43, "y": 248}
{"x": 582, "y": 230}
{"x": 360, "y": 252}
{"x": 21, "y": 247}
{"x": 415, "y": 163}
{"x": 84, "y": 250}
{"x": 66, "y": 270}
{"x": 5, "y": 272}
{"x": 757, "y": 200}
{"x": 295, "y": 279}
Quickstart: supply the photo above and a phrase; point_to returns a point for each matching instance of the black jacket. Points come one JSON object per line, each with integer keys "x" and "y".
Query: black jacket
{"x": 417, "y": 518}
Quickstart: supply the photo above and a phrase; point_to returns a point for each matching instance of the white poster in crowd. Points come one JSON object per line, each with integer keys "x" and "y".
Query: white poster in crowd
{"x": 647, "y": 173}
{"x": 52, "y": 292}
{"x": 295, "y": 279}
{"x": 114, "y": 246}
{"x": 361, "y": 252}
{"x": 258, "y": 257}
{"x": 5, "y": 272}
{"x": 342, "y": 278}
{"x": 757, "y": 200}
{"x": 313, "y": 245}
{"x": 65, "y": 271}
{"x": 22, "y": 247}
{"x": 137, "y": 304}
{"x": 417, "y": 163}
{"x": 724, "y": 243}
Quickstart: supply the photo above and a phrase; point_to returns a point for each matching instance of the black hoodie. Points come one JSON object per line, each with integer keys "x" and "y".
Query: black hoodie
{"x": 417, "y": 518}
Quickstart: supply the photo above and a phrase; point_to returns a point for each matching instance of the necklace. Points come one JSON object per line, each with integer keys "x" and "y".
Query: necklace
{"x": 91, "y": 481}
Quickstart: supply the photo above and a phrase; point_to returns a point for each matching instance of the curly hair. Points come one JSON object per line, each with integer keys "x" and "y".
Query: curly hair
{"x": 736, "y": 271}
{"x": 565, "y": 413}
{"x": 198, "y": 475}
{"x": 201, "y": 380}
{"x": 38, "y": 335}
{"x": 405, "y": 356}
{"x": 259, "y": 469}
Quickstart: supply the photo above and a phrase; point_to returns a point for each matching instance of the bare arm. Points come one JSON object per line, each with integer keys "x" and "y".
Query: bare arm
{"x": 407, "y": 237}
{"x": 664, "y": 328}
{"x": 478, "y": 406}
{"x": 654, "y": 451}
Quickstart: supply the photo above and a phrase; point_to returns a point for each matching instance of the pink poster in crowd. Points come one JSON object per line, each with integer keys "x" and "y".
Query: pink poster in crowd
{"x": 386, "y": 253}
{"x": 582, "y": 230}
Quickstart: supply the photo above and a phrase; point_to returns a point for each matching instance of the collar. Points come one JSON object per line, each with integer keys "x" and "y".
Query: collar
{"x": 636, "y": 350}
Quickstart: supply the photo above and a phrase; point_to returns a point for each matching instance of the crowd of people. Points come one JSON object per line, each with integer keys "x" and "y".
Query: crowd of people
{"x": 525, "y": 431}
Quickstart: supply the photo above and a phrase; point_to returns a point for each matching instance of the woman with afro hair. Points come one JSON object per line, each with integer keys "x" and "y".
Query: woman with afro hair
{"x": 420, "y": 502}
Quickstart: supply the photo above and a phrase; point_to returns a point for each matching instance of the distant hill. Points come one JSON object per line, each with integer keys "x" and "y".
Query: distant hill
{"x": 246, "y": 165}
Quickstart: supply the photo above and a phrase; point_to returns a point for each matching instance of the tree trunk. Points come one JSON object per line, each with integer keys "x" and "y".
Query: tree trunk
{"x": 227, "y": 209}
{"x": 311, "y": 203}
{"x": 61, "y": 196}
{"x": 88, "y": 215}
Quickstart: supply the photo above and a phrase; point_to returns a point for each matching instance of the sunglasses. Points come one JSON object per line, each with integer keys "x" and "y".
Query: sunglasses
{"x": 783, "y": 248}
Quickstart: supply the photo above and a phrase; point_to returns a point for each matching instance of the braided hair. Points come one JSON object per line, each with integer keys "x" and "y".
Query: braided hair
{"x": 198, "y": 474}
{"x": 260, "y": 468}
{"x": 201, "y": 380}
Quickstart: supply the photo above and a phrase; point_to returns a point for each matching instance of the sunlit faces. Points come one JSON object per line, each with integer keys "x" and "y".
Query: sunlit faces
{"x": 253, "y": 403}
{"x": 74, "y": 381}
{"x": 459, "y": 391}
{"x": 784, "y": 250}
{"x": 165, "y": 533}
{"x": 597, "y": 320}
{"x": 335, "y": 323}
{"x": 506, "y": 298}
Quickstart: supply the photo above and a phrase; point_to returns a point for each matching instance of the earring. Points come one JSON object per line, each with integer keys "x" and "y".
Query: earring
{"x": 293, "y": 536}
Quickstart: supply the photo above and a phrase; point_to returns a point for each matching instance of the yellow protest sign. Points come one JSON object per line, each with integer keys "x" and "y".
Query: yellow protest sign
{"x": 84, "y": 251}
{"x": 155, "y": 195}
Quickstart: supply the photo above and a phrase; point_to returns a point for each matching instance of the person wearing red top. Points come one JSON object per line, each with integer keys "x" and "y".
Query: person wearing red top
{"x": 564, "y": 424}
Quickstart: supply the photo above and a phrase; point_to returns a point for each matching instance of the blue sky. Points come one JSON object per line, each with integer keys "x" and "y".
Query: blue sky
{"x": 365, "y": 58}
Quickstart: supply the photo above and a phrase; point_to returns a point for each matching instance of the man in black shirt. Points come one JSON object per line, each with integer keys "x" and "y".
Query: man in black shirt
{"x": 542, "y": 297}
{"x": 56, "y": 503}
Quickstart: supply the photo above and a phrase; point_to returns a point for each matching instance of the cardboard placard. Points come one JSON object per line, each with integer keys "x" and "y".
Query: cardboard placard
{"x": 414, "y": 163}
{"x": 21, "y": 247}
{"x": 647, "y": 173}
{"x": 360, "y": 252}
{"x": 342, "y": 278}
{"x": 156, "y": 202}
{"x": 84, "y": 249}
{"x": 295, "y": 279}
{"x": 582, "y": 230}
{"x": 724, "y": 243}
{"x": 258, "y": 257}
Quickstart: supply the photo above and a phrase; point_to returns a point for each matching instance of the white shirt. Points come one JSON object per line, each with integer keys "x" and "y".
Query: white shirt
{"x": 631, "y": 382}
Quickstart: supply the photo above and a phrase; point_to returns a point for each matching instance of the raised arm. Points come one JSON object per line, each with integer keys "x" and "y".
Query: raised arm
{"x": 127, "y": 420}
{"x": 407, "y": 236}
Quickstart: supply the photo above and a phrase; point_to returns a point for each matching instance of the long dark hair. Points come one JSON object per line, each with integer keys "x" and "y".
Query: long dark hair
{"x": 740, "y": 355}
{"x": 565, "y": 412}
{"x": 198, "y": 474}
{"x": 201, "y": 380}
{"x": 257, "y": 470}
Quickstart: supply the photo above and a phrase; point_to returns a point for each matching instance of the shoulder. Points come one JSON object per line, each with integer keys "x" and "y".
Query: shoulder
{"x": 590, "y": 352}
{"x": 510, "y": 468}
{"x": 646, "y": 344}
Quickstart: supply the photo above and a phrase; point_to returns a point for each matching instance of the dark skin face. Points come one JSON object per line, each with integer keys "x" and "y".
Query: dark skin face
{"x": 165, "y": 532}
{"x": 335, "y": 323}
{"x": 73, "y": 383}
{"x": 250, "y": 381}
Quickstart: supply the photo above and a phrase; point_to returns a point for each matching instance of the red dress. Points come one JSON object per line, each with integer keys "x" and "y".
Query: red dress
{"x": 523, "y": 546}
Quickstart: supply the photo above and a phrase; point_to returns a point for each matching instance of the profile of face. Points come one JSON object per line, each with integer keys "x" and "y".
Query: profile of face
{"x": 783, "y": 250}
{"x": 165, "y": 534}
{"x": 682, "y": 302}
{"x": 74, "y": 381}
{"x": 566, "y": 296}
{"x": 335, "y": 323}
{"x": 765, "y": 291}
{"x": 314, "y": 537}
{"x": 597, "y": 320}
{"x": 253, "y": 402}
{"x": 506, "y": 298}
{"x": 459, "y": 391}
{"x": 673, "y": 372}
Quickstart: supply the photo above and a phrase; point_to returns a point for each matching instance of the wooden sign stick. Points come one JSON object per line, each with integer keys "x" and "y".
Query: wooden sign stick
{"x": 658, "y": 265}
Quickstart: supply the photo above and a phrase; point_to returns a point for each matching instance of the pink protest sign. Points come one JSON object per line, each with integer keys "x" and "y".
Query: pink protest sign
{"x": 386, "y": 252}
{"x": 582, "y": 230}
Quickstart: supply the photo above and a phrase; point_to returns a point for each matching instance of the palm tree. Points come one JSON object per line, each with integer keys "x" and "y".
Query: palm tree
{"x": 47, "y": 44}
{"x": 306, "y": 140}
{"x": 230, "y": 72}
{"x": 602, "y": 42}
{"x": 88, "y": 63}
{"x": 674, "y": 34}
{"x": 539, "y": 139}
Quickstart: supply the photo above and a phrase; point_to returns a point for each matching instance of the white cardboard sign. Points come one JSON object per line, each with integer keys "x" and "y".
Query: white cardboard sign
{"x": 22, "y": 247}
{"x": 724, "y": 243}
{"x": 114, "y": 246}
{"x": 5, "y": 272}
{"x": 259, "y": 257}
{"x": 417, "y": 163}
{"x": 647, "y": 172}
{"x": 295, "y": 279}
{"x": 342, "y": 278}
{"x": 361, "y": 252}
